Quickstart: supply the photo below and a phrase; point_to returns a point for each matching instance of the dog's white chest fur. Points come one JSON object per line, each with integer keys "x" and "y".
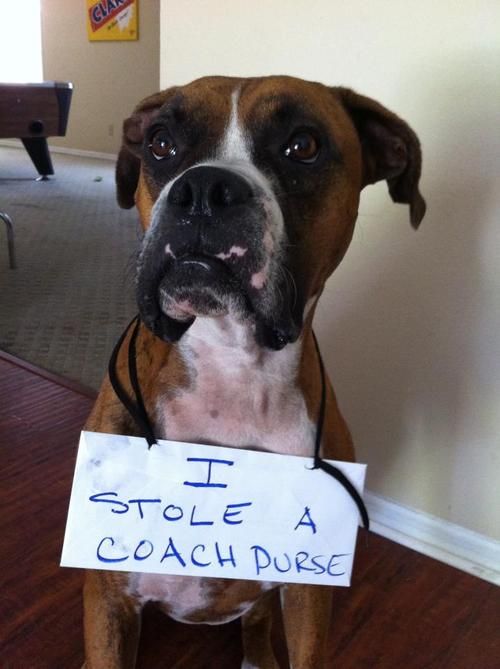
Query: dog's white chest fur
{"x": 239, "y": 394}
{"x": 194, "y": 600}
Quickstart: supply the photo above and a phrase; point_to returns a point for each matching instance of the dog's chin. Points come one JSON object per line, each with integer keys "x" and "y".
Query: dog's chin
{"x": 184, "y": 303}
{"x": 198, "y": 287}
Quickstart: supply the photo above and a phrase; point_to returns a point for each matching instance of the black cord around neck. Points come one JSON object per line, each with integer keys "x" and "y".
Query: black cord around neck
{"x": 136, "y": 408}
{"x": 319, "y": 463}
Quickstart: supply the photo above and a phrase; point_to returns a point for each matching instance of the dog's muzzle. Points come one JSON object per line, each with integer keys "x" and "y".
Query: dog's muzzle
{"x": 213, "y": 248}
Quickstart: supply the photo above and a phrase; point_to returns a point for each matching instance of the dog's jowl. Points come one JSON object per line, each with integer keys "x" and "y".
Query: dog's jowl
{"x": 248, "y": 192}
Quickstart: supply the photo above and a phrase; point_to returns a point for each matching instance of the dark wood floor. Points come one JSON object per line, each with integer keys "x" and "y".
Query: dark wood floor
{"x": 403, "y": 610}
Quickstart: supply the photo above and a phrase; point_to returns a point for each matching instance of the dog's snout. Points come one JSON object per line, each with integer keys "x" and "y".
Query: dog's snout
{"x": 206, "y": 190}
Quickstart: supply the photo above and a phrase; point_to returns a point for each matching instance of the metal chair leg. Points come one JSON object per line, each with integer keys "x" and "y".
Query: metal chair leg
{"x": 10, "y": 238}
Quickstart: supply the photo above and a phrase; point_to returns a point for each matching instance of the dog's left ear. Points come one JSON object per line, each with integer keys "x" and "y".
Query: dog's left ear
{"x": 128, "y": 165}
{"x": 391, "y": 150}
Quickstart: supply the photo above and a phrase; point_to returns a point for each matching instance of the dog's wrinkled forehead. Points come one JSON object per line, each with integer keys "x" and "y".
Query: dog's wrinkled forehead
{"x": 200, "y": 118}
{"x": 230, "y": 120}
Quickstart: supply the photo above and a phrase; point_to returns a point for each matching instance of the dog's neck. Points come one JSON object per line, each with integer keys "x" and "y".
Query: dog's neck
{"x": 228, "y": 347}
{"x": 238, "y": 393}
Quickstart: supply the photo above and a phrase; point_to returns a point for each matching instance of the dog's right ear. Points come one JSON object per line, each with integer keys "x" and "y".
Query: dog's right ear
{"x": 128, "y": 165}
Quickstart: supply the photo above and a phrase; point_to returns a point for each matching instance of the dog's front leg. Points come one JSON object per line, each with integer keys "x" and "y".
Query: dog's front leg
{"x": 256, "y": 631}
{"x": 112, "y": 623}
{"x": 306, "y": 617}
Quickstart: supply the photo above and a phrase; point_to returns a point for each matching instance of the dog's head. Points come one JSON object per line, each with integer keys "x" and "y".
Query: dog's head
{"x": 248, "y": 192}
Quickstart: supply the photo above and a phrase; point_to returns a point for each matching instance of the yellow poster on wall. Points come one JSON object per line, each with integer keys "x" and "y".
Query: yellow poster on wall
{"x": 112, "y": 20}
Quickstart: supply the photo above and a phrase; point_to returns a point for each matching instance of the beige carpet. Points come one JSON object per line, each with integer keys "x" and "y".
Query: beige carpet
{"x": 73, "y": 290}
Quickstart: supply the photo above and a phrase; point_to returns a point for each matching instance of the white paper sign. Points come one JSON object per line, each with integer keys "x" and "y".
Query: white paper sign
{"x": 200, "y": 510}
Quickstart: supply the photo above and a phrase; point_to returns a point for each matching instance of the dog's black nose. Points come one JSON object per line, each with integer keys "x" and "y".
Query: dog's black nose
{"x": 206, "y": 190}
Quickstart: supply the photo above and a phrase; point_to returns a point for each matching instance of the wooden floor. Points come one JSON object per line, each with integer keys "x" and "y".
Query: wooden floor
{"x": 403, "y": 610}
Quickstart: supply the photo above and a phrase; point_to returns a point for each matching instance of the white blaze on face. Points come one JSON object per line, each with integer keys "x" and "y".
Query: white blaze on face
{"x": 236, "y": 144}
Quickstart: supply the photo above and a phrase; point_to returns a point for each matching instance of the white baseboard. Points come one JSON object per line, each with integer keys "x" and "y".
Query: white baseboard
{"x": 455, "y": 545}
{"x": 15, "y": 143}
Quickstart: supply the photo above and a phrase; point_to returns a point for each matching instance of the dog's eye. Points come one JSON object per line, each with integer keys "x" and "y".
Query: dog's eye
{"x": 162, "y": 146}
{"x": 302, "y": 147}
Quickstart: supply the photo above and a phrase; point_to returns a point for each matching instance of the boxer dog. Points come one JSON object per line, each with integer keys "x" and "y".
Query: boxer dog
{"x": 248, "y": 192}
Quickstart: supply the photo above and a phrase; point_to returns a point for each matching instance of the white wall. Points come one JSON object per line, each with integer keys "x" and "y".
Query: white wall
{"x": 410, "y": 323}
{"x": 21, "y": 42}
